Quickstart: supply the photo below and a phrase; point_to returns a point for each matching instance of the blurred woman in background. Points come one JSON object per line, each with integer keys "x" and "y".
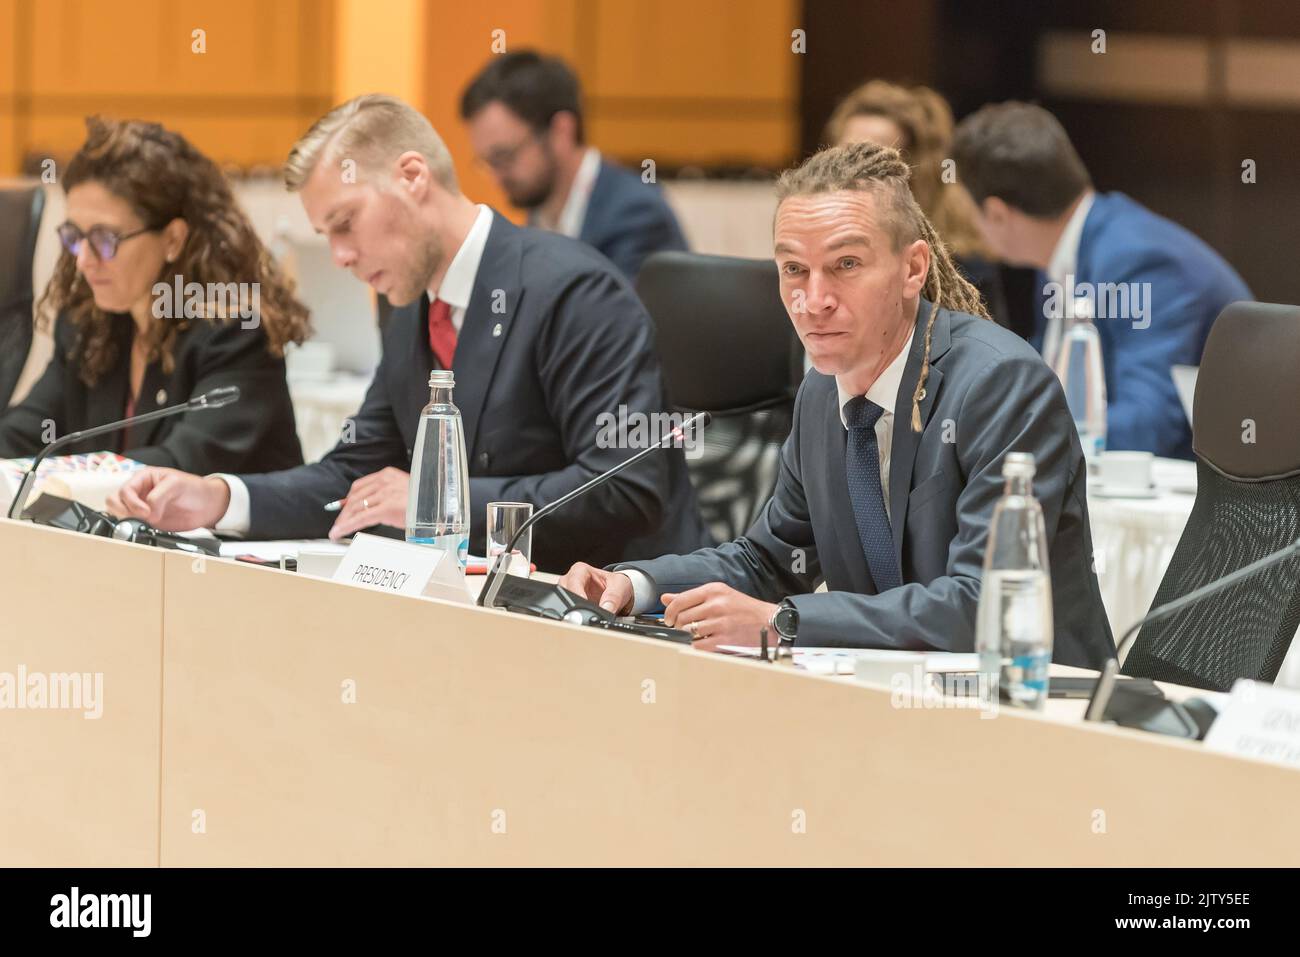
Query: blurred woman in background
{"x": 918, "y": 123}
{"x": 162, "y": 293}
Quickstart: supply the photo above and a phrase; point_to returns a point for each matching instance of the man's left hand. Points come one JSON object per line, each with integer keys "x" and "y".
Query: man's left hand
{"x": 375, "y": 499}
{"x": 717, "y": 614}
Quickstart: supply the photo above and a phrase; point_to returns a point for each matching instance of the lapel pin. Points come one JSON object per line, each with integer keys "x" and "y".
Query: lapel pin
{"x": 496, "y": 330}
{"x": 161, "y": 397}
{"x": 921, "y": 395}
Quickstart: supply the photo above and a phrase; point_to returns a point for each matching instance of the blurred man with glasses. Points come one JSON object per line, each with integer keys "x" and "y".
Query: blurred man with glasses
{"x": 524, "y": 113}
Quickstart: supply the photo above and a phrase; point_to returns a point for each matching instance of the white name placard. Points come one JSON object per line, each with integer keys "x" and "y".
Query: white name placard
{"x": 400, "y": 568}
{"x": 1260, "y": 721}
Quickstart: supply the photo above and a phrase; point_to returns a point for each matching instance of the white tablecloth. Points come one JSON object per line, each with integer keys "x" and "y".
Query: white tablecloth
{"x": 322, "y": 407}
{"x": 1134, "y": 539}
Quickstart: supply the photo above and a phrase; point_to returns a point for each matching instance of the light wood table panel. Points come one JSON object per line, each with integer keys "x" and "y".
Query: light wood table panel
{"x": 482, "y": 738}
{"x": 885, "y": 785}
{"x": 466, "y": 722}
{"x": 80, "y": 791}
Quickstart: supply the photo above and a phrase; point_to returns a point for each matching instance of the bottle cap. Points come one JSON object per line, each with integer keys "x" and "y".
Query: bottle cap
{"x": 442, "y": 379}
{"x": 1018, "y": 465}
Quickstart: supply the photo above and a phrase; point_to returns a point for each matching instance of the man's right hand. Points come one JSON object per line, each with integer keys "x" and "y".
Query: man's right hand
{"x": 171, "y": 500}
{"x": 611, "y": 590}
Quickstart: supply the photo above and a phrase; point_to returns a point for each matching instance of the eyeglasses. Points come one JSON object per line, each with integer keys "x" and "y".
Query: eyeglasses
{"x": 502, "y": 159}
{"x": 103, "y": 241}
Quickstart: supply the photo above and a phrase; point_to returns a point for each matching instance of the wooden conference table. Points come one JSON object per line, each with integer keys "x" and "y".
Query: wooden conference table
{"x": 257, "y": 717}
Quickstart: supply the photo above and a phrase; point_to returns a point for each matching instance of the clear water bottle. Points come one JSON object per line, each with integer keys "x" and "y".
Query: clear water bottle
{"x": 1013, "y": 627}
{"x": 437, "y": 505}
{"x": 1082, "y": 373}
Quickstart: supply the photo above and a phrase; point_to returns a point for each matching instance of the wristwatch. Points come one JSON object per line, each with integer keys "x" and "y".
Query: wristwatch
{"x": 785, "y": 622}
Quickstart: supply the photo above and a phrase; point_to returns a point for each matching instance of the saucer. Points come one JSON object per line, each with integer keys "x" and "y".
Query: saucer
{"x": 1123, "y": 491}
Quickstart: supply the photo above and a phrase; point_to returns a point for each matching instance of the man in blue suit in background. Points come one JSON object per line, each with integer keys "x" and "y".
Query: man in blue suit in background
{"x": 1153, "y": 288}
{"x": 524, "y": 113}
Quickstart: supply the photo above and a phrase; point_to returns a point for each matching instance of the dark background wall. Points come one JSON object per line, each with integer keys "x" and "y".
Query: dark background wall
{"x": 1178, "y": 149}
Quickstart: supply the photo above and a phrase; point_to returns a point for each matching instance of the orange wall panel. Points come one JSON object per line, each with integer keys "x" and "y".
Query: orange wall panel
{"x": 680, "y": 81}
{"x": 767, "y": 142}
{"x": 693, "y": 49}
{"x": 459, "y": 43}
{"x": 8, "y": 49}
{"x": 264, "y": 75}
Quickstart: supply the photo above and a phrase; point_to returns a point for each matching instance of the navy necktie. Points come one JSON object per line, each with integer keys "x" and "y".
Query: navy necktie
{"x": 862, "y": 469}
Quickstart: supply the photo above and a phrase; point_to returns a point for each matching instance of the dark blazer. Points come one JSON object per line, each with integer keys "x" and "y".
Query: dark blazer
{"x": 552, "y": 338}
{"x": 986, "y": 277}
{"x": 1124, "y": 242}
{"x": 15, "y": 343}
{"x": 255, "y": 434}
{"x": 988, "y": 393}
{"x": 627, "y": 219}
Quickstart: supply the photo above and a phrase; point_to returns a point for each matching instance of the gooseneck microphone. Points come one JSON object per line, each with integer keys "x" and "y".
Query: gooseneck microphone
{"x": 496, "y": 575}
{"x": 212, "y": 399}
{"x": 1105, "y": 687}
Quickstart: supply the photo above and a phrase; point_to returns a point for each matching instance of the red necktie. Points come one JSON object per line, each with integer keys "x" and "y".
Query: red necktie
{"x": 442, "y": 334}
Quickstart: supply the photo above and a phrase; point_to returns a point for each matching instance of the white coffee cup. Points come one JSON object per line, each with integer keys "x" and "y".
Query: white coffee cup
{"x": 883, "y": 667}
{"x": 319, "y": 561}
{"x": 1125, "y": 471}
{"x": 311, "y": 360}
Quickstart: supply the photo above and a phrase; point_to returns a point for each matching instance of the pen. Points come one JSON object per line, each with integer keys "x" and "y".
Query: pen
{"x": 336, "y": 505}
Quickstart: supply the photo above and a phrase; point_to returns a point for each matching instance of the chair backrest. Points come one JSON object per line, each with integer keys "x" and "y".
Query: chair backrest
{"x": 20, "y": 221}
{"x": 1247, "y": 445}
{"x": 727, "y": 347}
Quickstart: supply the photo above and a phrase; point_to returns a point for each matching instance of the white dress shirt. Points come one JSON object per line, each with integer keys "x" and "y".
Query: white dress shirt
{"x": 1060, "y": 268}
{"x": 884, "y": 393}
{"x": 455, "y": 289}
{"x": 574, "y": 213}
{"x": 458, "y": 281}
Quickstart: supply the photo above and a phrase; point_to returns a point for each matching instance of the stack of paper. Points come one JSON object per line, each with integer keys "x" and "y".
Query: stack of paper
{"x": 88, "y": 478}
{"x": 845, "y": 661}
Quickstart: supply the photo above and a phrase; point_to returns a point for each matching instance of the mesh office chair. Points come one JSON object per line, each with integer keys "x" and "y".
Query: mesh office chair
{"x": 726, "y": 347}
{"x": 1247, "y": 444}
{"x": 20, "y": 221}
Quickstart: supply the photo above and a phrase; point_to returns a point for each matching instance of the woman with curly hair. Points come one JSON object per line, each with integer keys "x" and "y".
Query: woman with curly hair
{"x": 918, "y": 123}
{"x": 163, "y": 292}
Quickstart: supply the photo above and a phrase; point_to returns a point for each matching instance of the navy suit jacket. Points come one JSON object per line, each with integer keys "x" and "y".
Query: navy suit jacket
{"x": 552, "y": 338}
{"x": 1124, "y": 242}
{"x": 988, "y": 393}
{"x": 627, "y": 219}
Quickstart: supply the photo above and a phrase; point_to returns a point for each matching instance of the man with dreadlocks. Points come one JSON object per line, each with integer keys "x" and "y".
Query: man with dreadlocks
{"x": 894, "y": 462}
